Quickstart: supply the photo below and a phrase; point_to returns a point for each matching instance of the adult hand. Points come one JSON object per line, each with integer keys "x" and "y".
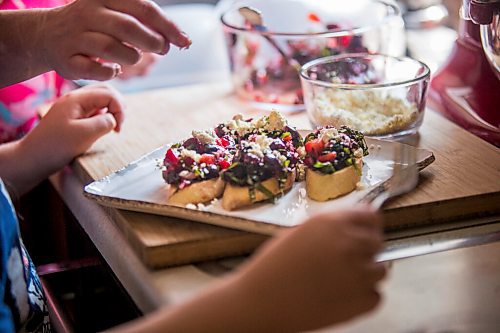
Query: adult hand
{"x": 92, "y": 39}
{"x": 320, "y": 273}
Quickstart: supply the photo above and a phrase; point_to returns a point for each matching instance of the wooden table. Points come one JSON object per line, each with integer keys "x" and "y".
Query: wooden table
{"x": 457, "y": 286}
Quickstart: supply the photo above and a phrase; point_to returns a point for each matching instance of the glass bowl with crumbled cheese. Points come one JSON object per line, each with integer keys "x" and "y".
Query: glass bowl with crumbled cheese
{"x": 381, "y": 96}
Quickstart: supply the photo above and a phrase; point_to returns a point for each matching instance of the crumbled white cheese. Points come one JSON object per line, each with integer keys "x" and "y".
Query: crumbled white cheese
{"x": 184, "y": 173}
{"x": 205, "y": 137}
{"x": 238, "y": 116}
{"x": 326, "y": 134}
{"x": 191, "y": 206}
{"x": 259, "y": 146}
{"x": 301, "y": 172}
{"x": 358, "y": 153}
{"x": 301, "y": 151}
{"x": 263, "y": 141}
{"x": 260, "y": 122}
{"x": 202, "y": 207}
{"x": 190, "y": 153}
{"x": 371, "y": 112}
{"x": 255, "y": 149}
{"x": 275, "y": 121}
{"x": 240, "y": 126}
{"x": 279, "y": 156}
{"x": 271, "y": 122}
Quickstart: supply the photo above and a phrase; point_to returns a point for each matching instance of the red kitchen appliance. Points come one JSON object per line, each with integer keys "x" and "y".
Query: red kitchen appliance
{"x": 466, "y": 89}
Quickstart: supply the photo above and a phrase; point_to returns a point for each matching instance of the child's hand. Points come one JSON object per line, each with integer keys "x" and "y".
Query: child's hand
{"x": 320, "y": 273}
{"x": 73, "y": 124}
{"x": 69, "y": 128}
{"x": 76, "y": 37}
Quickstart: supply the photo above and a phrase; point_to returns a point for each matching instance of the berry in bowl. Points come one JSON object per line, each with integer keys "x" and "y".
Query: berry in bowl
{"x": 378, "y": 95}
{"x": 269, "y": 40}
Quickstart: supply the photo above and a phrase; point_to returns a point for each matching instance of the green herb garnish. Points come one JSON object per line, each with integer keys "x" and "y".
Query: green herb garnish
{"x": 264, "y": 190}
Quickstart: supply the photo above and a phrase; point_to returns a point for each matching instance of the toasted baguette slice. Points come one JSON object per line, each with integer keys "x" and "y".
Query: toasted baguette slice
{"x": 196, "y": 193}
{"x": 323, "y": 187}
{"x": 235, "y": 197}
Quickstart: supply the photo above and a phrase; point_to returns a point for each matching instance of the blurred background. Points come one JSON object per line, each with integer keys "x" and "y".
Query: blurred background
{"x": 430, "y": 28}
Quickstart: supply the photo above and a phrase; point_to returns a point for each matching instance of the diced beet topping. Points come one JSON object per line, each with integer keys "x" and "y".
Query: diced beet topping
{"x": 220, "y": 130}
{"x": 188, "y": 161}
{"x": 209, "y": 148}
{"x": 194, "y": 161}
{"x": 194, "y": 144}
{"x": 277, "y": 145}
{"x": 250, "y": 167}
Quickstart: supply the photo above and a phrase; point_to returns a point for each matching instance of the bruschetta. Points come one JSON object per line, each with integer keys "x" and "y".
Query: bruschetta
{"x": 263, "y": 168}
{"x": 192, "y": 168}
{"x": 334, "y": 162}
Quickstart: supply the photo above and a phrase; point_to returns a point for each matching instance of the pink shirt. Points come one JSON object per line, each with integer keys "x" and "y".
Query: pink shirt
{"x": 19, "y": 103}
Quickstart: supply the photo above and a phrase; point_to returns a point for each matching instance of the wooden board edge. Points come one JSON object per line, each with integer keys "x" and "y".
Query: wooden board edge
{"x": 442, "y": 212}
{"x": 193, "y": 252}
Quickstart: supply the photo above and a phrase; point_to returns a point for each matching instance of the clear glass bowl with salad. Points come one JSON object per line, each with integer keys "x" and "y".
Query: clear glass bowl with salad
{"x": 265, "y": 58}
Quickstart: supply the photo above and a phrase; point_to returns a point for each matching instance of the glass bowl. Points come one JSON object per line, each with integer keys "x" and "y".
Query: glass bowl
{"x": 381, "y": 96}
{"x": 265, "y": 60}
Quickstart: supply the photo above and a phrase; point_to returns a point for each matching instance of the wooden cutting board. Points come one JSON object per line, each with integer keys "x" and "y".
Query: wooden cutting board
{"x": 463, "y": 182}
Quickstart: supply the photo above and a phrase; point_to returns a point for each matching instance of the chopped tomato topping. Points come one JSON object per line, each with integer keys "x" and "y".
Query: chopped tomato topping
{"x": 207, "y": 159}
{"x": 327, "y": 157}
{"x": 223, "y": 142}
{"x": 224, "y": 164}
{"x": 315, "y": 146}
{"x": 287, "y": 138}
{"x": 170, "y": 157}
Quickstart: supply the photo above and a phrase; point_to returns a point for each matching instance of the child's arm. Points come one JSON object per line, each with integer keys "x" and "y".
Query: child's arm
{"x": 70, "y": 127}
{"x": 73, "y": 38}
{"x": 318, "y": 274}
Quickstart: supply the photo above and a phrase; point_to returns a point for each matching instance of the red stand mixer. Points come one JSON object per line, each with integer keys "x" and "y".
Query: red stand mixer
{"x": 466, "y": 89}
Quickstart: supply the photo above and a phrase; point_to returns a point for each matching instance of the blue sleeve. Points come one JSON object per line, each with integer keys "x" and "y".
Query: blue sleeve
{"x": 6, "y": 322}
